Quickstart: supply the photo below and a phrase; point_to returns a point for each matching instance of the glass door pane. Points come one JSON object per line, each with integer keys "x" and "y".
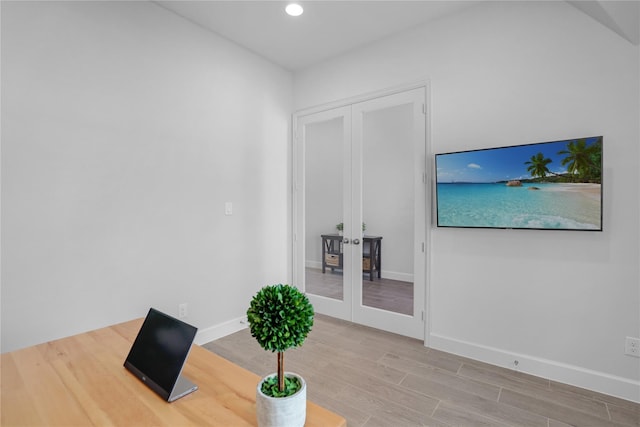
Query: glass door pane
{"x": 388, "y": 209}
{"x": 324, "y": 208}
{"x": 323, "y": 196}
{"x": 389, "y": 202}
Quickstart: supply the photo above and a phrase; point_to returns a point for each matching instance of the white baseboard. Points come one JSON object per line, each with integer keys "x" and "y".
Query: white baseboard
{"x": 568, "y": 374}
{"x": 221, "y": 330}
{"x": 394, "y": 275}
{"x": 313, "y": 264}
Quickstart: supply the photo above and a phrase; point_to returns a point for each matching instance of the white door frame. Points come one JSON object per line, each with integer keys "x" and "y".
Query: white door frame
{"x": 421, "y": 308}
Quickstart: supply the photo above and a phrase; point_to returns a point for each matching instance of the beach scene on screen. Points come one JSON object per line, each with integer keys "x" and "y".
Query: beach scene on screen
{"x": 552, "y": 185}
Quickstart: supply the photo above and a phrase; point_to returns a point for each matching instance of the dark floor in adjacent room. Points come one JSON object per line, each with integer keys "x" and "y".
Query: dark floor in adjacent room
{"x": 386, "y": 294}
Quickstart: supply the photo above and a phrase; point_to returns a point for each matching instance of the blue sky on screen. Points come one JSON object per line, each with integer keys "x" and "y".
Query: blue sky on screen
{"x": 498, "y": 164}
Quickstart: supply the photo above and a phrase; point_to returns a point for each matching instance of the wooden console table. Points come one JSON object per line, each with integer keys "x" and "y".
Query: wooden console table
{"x": 80, "y": 381}
{"x": 371, "y": 253}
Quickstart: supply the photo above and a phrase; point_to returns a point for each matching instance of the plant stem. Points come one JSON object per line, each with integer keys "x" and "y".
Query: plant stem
{"x": 281, "y": 370}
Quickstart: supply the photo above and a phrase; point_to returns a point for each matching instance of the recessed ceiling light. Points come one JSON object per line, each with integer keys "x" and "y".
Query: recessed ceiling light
{"x": 294, "y": 9}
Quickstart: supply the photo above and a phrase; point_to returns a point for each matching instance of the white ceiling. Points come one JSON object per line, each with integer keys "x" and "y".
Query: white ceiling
{"x": 331, "y": 27}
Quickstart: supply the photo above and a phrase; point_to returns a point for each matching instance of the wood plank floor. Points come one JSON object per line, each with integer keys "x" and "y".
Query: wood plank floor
{"x": 374, "y": 378}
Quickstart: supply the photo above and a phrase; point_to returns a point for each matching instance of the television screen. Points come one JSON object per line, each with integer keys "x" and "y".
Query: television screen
{"x": 549, "y": 185}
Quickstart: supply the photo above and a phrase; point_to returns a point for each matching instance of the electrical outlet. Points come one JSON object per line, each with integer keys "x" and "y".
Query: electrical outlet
{"x": 182, "y": 310}
{"x": 632, "y": 346}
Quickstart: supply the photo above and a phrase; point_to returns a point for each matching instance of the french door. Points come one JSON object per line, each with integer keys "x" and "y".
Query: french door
{"x": 360, "y": 211}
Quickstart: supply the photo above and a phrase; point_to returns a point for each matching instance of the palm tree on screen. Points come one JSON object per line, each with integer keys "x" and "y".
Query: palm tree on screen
{"x": 578, "y": 158}
{"x": 538, "y": 165}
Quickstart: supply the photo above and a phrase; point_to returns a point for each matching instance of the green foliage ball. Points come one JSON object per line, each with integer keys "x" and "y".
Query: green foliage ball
{"x": 280, "y": 317}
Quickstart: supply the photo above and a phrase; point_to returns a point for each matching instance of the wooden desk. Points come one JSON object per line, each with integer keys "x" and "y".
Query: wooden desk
{"x": 80, "y": 381}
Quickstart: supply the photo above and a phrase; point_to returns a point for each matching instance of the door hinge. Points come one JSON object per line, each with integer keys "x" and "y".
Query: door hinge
{"x": 422, "y": 247}
{"x": 423, "y": 316}
{"x": 424, "y": 177}
{"x": 424, "y": 109}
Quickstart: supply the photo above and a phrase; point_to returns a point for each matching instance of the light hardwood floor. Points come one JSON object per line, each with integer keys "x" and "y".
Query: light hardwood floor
{"x": 374, "y": 378}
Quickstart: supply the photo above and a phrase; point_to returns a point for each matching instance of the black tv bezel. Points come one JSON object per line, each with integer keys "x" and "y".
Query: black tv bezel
{"x": 436, "y": 206}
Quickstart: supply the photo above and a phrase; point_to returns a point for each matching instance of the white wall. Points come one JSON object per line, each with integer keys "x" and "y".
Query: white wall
{"x": 509, "y": 73}
{"x": 125, "y": 130}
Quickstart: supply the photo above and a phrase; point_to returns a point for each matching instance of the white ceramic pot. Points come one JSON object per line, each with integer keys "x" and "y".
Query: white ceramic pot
{"x": 288, "y": 411}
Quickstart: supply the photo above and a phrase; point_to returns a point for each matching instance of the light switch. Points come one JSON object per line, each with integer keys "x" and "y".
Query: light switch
{"x": 228, "y": 208}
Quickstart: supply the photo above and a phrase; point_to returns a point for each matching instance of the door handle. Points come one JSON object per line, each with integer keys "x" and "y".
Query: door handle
{"x": 345, "y": 241}
{"x": 356, "y": 241}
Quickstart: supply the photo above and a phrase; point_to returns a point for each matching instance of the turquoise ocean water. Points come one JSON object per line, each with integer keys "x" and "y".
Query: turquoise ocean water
{"x": 496, "y": 205}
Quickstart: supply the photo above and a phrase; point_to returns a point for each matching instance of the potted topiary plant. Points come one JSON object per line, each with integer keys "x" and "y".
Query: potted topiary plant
{"x": 280, "y": 317}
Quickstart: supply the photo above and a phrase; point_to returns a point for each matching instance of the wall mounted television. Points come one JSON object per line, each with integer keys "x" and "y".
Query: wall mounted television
{"x": 543, "y": 186}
